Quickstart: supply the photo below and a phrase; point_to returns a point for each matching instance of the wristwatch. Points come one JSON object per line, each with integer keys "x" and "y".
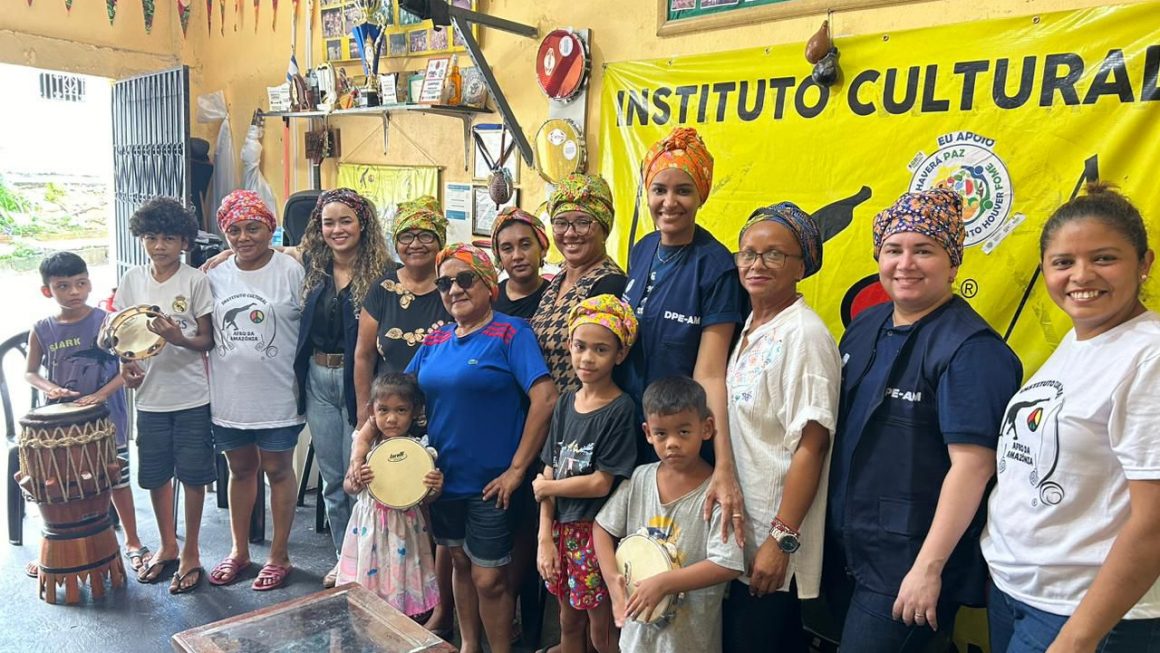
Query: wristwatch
{"x": 788, "y": 540}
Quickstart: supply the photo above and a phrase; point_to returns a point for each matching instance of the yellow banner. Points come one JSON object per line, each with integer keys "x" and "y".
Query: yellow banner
{"x": 386, "y": 186}
{"x": 1013, "y": 112}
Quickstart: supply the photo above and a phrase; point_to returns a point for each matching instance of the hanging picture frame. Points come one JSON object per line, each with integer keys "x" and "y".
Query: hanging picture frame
{"x": 484, "y": 210}
{"x": 684, "y": 16}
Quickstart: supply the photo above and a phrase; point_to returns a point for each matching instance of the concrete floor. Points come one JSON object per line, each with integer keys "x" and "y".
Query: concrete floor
{"x": 141, "y": 618}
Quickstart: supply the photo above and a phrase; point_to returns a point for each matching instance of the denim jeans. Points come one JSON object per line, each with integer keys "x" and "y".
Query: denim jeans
{"x": 868, "y": 626}
{"x": 330, "y": 431}
{"x": 1016, "y": 627}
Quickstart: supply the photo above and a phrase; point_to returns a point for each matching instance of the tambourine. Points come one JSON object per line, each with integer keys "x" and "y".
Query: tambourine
{"x": 399, "y": 465}
{"x": 562, "y": 65}
{"x": 560, "y": 150}
{"x": 126, "y": 333}
{"x": 642, "y": 556}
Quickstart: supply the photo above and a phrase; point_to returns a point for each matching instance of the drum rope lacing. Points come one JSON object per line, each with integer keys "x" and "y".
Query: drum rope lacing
{"x": 66, "y": 437}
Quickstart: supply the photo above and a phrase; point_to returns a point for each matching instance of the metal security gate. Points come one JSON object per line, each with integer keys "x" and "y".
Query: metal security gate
{"x": 150, "y": 150}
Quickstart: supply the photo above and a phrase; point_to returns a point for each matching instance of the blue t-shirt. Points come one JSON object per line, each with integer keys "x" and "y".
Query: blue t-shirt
{"x": 476, "y": 389}
{"x": 73, "y": 361}
{"x": 676, "y": 294}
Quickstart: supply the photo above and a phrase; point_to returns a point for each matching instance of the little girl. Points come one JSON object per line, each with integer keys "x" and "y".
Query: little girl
{"x": 390, "y": 551}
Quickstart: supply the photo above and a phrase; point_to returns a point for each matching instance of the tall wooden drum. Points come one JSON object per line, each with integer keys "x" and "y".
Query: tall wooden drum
{"x": 68, "y": 463}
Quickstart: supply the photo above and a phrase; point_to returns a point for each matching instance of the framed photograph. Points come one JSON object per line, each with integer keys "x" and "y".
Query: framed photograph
{"x": 334, "y": 50}
{"x": 432, "y": 91}
{"x": 483, "y": 210}
{"x": 494, "y": 139}
{"x": 684, "y": 16}
{"x": 439, "y": 39}
{"x": 417, "y": 41}
{"x": 397, "y": 45}
{"x": 332, "y": 23}
{"x": 408, "y": 18}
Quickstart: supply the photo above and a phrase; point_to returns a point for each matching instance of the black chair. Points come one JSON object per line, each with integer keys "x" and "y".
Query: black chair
{"x": 18, "y": 343}
{"x": 295, "y": 215}
{"x": 320, "y": 523}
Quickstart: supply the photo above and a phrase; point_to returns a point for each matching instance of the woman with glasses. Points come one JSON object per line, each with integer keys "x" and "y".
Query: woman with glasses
{"x": 483, "y": 364}
{"x": 344, "y": 252}
{"x": 783, "y": 381}
{"x": 925, "y": 381}
{"x": 683, "y": 285}
{"x": 519, "y": 243}
{"x": 581, "y": 220}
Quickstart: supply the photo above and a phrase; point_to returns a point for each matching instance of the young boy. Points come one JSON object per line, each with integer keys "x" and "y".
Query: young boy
{"x": 590, "y": 447}
{"x": 173, "y": 420}
{"x": 65, "y": 345}
{"x": 666, "y": 499}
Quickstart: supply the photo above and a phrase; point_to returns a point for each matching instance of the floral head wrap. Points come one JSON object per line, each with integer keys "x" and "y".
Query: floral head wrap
{"x": 608, "y": 311}
{"x": 476, "y": 259}
{"x": 515, "y": 214}
{"x": 802, "y": 226}
{"x": 420, "y": 213}
{"x": 935, "y": 213}
{"x": 585, "y": 193}
{"x": 361, "y": 206}
{"x": 682, "y": 149}
{"x": 242, "y": 205}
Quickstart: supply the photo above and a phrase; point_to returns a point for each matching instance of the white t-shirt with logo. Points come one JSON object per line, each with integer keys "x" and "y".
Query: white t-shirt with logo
{"x": 175, "y": 379}
{"x": 1072, "y": 438}
{"x": 256, "y": 314}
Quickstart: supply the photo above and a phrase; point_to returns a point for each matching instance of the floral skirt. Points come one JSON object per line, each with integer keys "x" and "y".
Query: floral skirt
{"x": 390, "y": 552}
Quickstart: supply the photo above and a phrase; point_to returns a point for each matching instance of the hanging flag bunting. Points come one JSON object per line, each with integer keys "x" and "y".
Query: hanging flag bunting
{"x": 183, "y": 11}
{"x": 111, "y": 9}
{"x": 237, "y": 14}
{"x": 148, "y": 6}
{"x": 274, "y": 15}
{"x": 67, "y": 4}
{"x": 209, "y": 16}
{"x": 222, "y": 11}
{"x": 257, "y": 8}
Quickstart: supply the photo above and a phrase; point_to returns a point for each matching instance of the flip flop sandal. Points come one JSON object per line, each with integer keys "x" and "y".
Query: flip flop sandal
{"x": 271, "y": 577}
{"x": 146, "y": 576}
{"x": 227, "y": 571}
{"x": 137, "y": 557}
{"x": 177, "y": 586}
{"x": 331, "y": 578}
{"x": 32, "y": 569}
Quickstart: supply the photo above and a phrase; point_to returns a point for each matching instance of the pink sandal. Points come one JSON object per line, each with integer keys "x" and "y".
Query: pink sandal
{"x": 227, "y": 571}
{"x": 271, "y": 577}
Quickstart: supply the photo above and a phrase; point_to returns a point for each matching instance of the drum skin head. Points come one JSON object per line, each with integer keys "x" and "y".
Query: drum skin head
{"x": 639, "y": 557}
{"x": 399, "y": 465}
{"x": 560, "y": 150}
{"x": 65, "y": 412}
{"x": 128, "y": 334}
{"x": 562, "y": 65}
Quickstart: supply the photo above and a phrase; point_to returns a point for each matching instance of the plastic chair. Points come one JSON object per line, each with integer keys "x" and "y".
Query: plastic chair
{"x": 295, "y": 215}
{"x": 18, "y": 343}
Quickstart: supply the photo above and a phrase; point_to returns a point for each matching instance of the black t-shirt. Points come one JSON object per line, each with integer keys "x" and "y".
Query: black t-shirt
{"x": 582, "y": 443}
{"x": 326, "y": 334}
{"x": 524, "y": 307}
{"x": 404, "y": 320}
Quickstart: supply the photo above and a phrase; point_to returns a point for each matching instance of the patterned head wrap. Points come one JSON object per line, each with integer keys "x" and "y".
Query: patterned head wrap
{"x": 242, "y": 205}
{"x": 420, "y": 213}
{"x": 802, "y": 226}
{"x": 515, "y": 214}
{"x": 361, "y": 206}
{"x": 585, "y": 193}
{"x": 476, "y": 259}
{"x": 682, "y": 149}
{"x": 608, "y": 311}
{"x": 935, "y": 213}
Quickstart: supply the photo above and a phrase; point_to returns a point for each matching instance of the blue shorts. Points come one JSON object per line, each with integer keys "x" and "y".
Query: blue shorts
{"x": 176, "y": 443}
{"x": 483, "y": 530}
{"x": 274, "y": 440}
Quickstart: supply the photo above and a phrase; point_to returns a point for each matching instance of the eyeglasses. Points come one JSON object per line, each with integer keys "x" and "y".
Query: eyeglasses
{"x": 464, "y": 280}
{"x": 581, "y": 226}
{"x": 408, "y": 237}
{"x": 773, "y": 259}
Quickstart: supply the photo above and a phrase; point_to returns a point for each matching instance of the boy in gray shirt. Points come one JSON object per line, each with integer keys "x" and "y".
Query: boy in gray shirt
{"x": 666, "y": 500}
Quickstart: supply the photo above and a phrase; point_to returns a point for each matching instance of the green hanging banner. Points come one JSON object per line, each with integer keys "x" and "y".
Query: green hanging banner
{"x": 149, "y": 8}
{"x": 183, "y": 10}
{"x": 111, "y": 9}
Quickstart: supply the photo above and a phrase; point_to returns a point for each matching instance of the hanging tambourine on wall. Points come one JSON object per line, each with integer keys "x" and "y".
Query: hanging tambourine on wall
{"x": 499, "y": 180}
{"x": 562, "y": 65}
{"x": 560, "y": 150}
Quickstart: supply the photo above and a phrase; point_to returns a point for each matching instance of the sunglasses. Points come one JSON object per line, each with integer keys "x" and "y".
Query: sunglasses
{"x": 465, "y": 280}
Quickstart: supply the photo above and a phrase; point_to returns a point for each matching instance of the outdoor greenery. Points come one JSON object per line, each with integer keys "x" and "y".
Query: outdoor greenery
{"x": 34, "y": 213}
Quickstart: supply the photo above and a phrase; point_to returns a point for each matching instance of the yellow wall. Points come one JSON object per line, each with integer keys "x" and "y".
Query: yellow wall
{"x": 243, "y": 62}
{"x": 46, "y": 35}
